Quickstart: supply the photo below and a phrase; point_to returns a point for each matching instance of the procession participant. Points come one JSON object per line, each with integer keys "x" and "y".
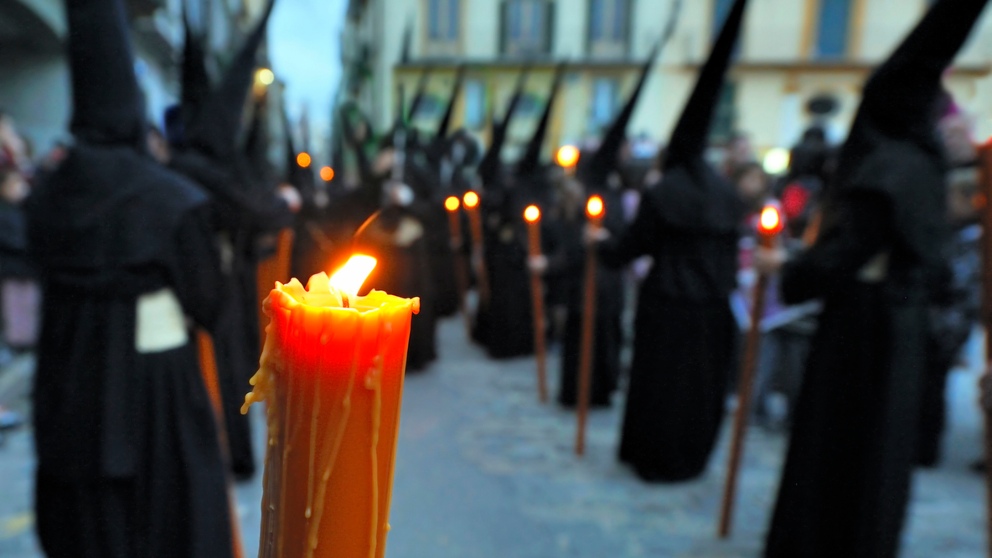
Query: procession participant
{"x": 846, "y": 482}
{"x": 129, "y": 463}
{"x": 684, "y": 328}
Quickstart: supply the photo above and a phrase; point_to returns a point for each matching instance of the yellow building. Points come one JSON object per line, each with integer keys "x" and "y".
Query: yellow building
{"x": 790, "y": 51}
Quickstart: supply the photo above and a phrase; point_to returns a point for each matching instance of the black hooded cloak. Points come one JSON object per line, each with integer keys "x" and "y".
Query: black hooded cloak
{"x": 847, "y": 475}
{"x": 129, "y": 463}
{"x": 683, "y": 328}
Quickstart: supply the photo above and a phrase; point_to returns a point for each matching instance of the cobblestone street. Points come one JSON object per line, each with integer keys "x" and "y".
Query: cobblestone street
{"x": 485, "y": 471}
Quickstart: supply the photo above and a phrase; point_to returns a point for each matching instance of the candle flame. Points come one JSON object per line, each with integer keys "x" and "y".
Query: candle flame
{"x": 532, "y": 214}
{"x": 471, "y": 199}
{"x": 327, "y": 174}
{"x": 595, "y": 207}
{"x": 349, "y": 278}
{"x": 452, "y": 203}
{"x": 770, "y": 221}
{"x": 303, "y": 159}
{"x": 567, "y": 156}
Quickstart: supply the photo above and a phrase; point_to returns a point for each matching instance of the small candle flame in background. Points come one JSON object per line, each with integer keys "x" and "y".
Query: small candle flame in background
{"x": 567, "y": 156}
{"x": 352, "y": 275}
{"x": 594, "y": 207}
{"x": 532, "y": 214}
{"x": 452, "y": 203}
{"x": 303, "y": 159}
{"x": 770, "y": 221}
{"x": 471, "y": 199}
{"x": 327, "y": 174}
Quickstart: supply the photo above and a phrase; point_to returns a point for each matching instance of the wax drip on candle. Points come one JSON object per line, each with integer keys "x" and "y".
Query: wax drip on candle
{"x": 373, "y": 381}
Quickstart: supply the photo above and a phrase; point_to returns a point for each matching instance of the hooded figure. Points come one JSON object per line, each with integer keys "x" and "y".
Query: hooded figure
{"x": 245, "y": 207}
{"x": 439, "y": 162}
{"x": 128, "y": 459}
{"x": 599, "y": 174}
{"x": 847, "y": 475}
{"x": 503, "y": 322}
{"x": 684, "y": 328}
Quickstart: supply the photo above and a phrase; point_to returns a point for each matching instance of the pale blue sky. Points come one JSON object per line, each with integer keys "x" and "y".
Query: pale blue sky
{"x": 304, "y": 47}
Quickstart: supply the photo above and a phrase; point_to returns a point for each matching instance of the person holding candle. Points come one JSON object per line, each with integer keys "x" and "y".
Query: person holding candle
{"x": 129, "y": 464}
{"x": 847, "y": 476}
{"x": 504, "y": 325}
{"x": 689, "y": 224}
{"x": 598, "y": 173}
{"x": 244, "y": 208}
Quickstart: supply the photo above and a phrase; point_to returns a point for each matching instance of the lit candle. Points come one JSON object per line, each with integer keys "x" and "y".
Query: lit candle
{"x": 532, "y": 215}
{"x": 594, "y": 211}
{"x": 452, "y": 204}
{"x": 471, "y": 201}
{"x": 567, "y": 157}
{"x": 770, "y": 224}
{"x": 332, "y": 373}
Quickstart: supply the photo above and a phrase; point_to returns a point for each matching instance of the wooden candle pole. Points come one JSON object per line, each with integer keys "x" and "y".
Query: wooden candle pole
{"x": 452, "y": 204}
{"x": 985, "y": 156}
{"x": 594, "y": 211}
{"x": 471, "y": 201}
{"x": 532, "y": 215}
{"x": 770, "y": 224}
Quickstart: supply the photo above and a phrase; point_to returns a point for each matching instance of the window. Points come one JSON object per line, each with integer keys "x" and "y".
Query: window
{"x": 475, "y": 104}
{"x": 443, "y": 19}
{"x": 609, "y": 24}
{"x": 527, "y": 26}
{"x": 605, "y": 92}
{"x": 833, "y": 26}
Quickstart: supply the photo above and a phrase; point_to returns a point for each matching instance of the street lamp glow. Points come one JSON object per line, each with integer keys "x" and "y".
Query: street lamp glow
{"x": 265, "y": 76}
{"x": 776, "y": 160}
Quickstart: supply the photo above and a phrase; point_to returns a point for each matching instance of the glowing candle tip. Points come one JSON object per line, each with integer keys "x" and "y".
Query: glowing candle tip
{"x": 595, "y": 208}
{"x": 532, "y": 214}
{"x": 770, "y": 221}
{"x": 349, "y": 278}
{"x": 567, "y": 156}
{"x": 452, "y": 203}
{"x": 471, "y": 199}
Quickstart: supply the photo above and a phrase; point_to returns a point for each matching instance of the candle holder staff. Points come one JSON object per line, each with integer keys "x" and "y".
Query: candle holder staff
{"x": 594, "y": 212}
{"x": 770, "y": 224}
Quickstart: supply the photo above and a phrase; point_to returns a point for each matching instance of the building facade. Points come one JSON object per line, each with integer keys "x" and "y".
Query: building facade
{"x": 790, "y": 51}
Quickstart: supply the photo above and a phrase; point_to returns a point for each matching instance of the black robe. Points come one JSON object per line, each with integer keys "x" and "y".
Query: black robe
{"x": 847, "y": 476}
{"x": 683, "y": 336}
{"x": 129, "y": 463}
{"x": 238, "y": 216}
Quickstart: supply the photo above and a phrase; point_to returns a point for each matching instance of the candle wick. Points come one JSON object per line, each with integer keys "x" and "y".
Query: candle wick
{"x": 344, "y": 300}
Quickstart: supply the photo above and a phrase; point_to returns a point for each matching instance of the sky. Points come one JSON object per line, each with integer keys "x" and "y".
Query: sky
{"x": 304, "y": 46}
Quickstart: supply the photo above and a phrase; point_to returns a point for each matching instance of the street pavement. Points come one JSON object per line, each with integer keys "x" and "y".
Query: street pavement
{"x": 485, "y": 471}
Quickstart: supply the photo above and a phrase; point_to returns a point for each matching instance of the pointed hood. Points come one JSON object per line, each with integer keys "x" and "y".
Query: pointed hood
{"x": 215, "y": 127}
{"x": 690, "y": 136}
{"x": 605, "y": 159}
{"x": 893, "y": 148}
{"x": 256, "y": 148}
{"x": 195, "y": 79}
{"x": 531, "y": 160}
{"x": 490, "y": 165}
{"x": 108, "y": 107}
{"x": 445, "y": 123}
{"x": 693, "y": 197}
{"x": 419, "y": 93}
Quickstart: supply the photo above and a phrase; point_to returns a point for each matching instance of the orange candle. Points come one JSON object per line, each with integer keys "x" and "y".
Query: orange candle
{"x": 532, "y": 215}
{"x": 332, "y": 373}
{"x": 770, "y": 224}
{"x": 594, "y": 211}
{"x": 471, "y": 201}
{"x": 452, "y": 204}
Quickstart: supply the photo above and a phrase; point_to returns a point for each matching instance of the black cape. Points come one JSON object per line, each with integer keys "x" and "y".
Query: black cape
{"x": 684, "y": 328}
{"x": 847, "y": 476}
